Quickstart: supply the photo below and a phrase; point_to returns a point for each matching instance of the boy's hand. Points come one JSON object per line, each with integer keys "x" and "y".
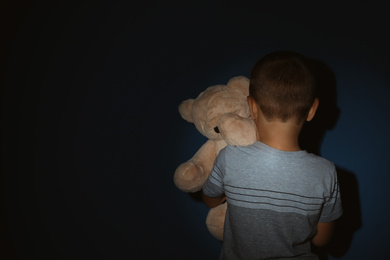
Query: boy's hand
{"x": 212, "y": 202}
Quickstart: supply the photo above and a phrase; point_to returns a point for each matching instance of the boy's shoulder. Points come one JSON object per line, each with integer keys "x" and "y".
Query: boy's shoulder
{"x": 319, "y": 160}
{"x": 258, "y": 148}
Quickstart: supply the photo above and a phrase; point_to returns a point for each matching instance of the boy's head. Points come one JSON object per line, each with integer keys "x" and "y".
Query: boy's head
{"x": 283, "y": 86}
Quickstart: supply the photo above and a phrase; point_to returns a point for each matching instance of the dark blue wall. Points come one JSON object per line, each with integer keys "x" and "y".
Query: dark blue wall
{"x": 91, "y": 135}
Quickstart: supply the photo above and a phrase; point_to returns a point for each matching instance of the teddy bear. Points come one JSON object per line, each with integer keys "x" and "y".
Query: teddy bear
{"x": 220, "y": 113}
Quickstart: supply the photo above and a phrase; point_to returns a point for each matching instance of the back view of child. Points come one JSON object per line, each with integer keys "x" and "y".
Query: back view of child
{"x": 280, "y": 198}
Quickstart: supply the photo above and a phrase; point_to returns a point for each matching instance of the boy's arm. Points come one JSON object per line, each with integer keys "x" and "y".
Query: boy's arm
{"x": 212, "y": 202}
{"x": 324, "y": 233}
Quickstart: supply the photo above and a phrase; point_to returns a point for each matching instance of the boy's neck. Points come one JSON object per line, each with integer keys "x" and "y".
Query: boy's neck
{"x": 281, "y": 136}
{"x": 275, "y": 133}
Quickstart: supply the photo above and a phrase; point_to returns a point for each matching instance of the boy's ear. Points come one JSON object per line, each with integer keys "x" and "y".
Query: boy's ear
{"x": 252, "y": 107}
{"x": 313, "y": 110}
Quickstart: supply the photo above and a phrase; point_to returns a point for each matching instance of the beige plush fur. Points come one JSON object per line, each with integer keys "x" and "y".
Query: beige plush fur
{"x": 223, "y": 109}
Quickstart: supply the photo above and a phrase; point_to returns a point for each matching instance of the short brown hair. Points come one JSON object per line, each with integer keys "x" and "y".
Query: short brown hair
{"x": 283, "y": 86}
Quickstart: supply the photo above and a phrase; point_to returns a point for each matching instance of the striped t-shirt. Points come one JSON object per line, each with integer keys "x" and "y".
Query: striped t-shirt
{"x": 275, "y": 200}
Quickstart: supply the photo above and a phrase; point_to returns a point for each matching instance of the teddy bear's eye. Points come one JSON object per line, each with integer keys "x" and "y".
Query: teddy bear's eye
{"x": 216, "y": 129}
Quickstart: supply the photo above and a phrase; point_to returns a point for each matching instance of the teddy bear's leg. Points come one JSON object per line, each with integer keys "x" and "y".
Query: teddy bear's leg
{"x": 191, "y": 175}
{"x": 215, "y": 221}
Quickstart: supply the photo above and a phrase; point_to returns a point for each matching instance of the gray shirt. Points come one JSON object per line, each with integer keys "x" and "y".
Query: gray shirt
{"x": 275, "y": 200}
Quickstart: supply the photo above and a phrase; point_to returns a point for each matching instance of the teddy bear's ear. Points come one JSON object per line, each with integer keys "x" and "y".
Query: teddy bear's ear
{"x": 240, "y": 83}
{"x": 185, "y": 110}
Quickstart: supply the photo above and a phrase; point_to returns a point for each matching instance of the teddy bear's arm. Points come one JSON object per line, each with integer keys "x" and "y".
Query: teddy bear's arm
{"x": 215, "y": 221}
{"x": 191, "y": 175}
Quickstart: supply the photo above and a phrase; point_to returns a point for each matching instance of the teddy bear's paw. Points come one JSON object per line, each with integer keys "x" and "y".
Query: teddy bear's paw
{"x": 189, "y": 177}
{"x": 237, "y": 130}
{"x": 215, "y": 221}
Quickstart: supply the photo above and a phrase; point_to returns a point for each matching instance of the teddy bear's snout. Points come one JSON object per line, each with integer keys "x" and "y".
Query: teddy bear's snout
{"x": 216, "y": 129}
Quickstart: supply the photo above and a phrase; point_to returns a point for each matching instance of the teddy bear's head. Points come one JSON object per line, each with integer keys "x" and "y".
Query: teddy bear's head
{"x": 205, "y": 110}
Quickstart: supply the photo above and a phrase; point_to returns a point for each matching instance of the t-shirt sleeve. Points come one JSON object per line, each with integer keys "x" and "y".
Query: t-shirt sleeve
{"x": 213, "y": 186}
{"x": 332, "y": 209}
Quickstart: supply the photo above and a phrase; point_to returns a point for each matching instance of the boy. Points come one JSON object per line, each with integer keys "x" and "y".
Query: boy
{"x": 280, "y": 198}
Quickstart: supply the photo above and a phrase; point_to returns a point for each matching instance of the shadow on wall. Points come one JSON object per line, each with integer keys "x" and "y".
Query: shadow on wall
{"x": 349, "y": 222}
{"x": 311, "y": 139}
